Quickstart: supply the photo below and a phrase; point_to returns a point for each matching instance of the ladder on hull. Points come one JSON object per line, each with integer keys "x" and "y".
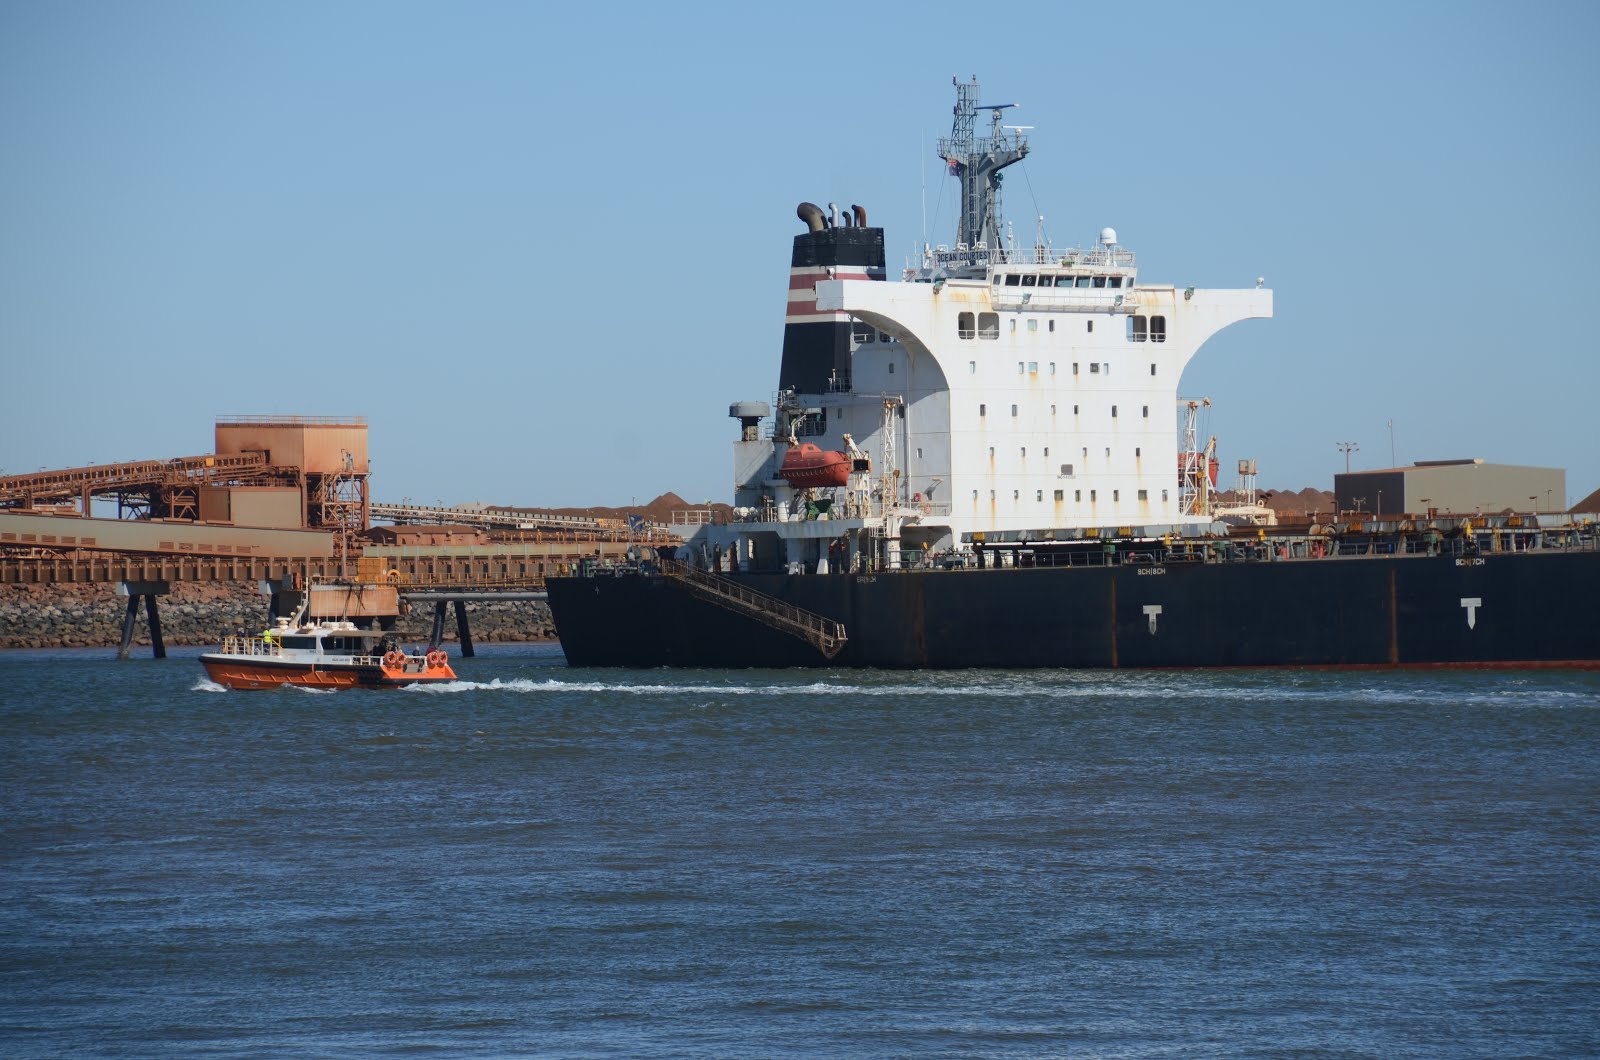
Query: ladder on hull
{"x": 824, "y": 634}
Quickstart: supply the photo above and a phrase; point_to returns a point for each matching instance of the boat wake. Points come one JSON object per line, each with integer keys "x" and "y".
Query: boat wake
{"x": 205, "y": 684}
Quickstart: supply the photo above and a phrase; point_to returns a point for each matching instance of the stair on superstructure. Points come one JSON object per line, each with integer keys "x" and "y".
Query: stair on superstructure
{"x": 824, "y": 634}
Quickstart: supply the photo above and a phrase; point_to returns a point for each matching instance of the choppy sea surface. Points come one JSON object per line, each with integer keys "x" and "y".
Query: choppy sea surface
{"x": 537, "y": 861}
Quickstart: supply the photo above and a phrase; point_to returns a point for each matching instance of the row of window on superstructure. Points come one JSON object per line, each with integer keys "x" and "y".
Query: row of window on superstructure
{"x": 987, "y": 326}
{"x": 1030, "y": 279}
{"x": 1032, "y": 368}
{"x": 1077, "y": 495}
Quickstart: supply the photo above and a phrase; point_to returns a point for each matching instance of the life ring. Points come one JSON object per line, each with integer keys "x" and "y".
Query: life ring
{"x": 436, "y": 658}
{"x": 394, "y": 659}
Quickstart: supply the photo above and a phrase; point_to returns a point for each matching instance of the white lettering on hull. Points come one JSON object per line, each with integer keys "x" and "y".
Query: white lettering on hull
{"x": 1151, "y": 611}
{"x": 1472, "y": 603}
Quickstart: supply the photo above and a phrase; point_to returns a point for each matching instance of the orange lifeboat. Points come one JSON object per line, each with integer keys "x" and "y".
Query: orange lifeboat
{"x": 807, "y": 467}
{"x": 1197, "y": 461}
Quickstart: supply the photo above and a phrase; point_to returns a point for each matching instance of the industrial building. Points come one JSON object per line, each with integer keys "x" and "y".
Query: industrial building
{"x": 1454, "y": 487}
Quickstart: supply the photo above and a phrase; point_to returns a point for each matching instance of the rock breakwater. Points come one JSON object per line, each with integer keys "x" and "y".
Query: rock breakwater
{"x": 90, "y": 616}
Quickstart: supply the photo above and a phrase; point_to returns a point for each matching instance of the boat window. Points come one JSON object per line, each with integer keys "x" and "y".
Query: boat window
{"x": 1063, "y": 281}
{"x": 1094, "y": 367}
{"x": 996, "y": 279}
{"x": 1116, "y": 495}
{"x": 1060, "y": 494}
{"x": 1146, "y": 411}
{"x": 861, "y": 332}
{"x": 1091, "y": 325}
{"x": 1152, "y": 369}
{"x": 1038, "y": 495}
{"x": 1013, "y": 410}
{"x": 1052, "y": 325}
{"x": 988, "y": 325}
{"x": 1136, "y": 331}
{"x": 964, "y": 326}
{"x": 1066, "y": 470}
{"x": 298, "y": 642}
{"x": 1019, "y": 367}
{"x": 891, "y": 368}
{"x": 1024, "y": 452}
{"x": 1033, "y": 367}
{"x": 1030, "y": 281}
{"x": 1082, "y": 281}
{"x": 972, "y": 367}
{"x": 1115, "y": 281}
{"x": 983, "y": 410}
{"x": 1077, "y": 495}
{"x": 1013, "y": 280}
{"x": 883, "y": 336}
{"x": 1099, "y": 281}
{"x": 1113, "y": 412}
{"x": 1052, "y": 367}
{"x": 1033, "y": 325}
{"x": 1074, "y": 367}
{"x": 1013, "y": 323}
{"x": 1158, "y": 329}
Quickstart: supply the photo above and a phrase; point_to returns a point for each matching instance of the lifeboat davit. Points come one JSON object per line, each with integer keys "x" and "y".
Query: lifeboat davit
{"x": 807, "y": 467}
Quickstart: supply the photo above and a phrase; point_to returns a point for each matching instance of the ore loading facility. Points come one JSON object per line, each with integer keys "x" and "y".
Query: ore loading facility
{"x": 284, "y": 503}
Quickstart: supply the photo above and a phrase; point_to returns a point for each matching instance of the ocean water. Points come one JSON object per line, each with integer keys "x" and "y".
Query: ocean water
{"x": 537, "y": 861}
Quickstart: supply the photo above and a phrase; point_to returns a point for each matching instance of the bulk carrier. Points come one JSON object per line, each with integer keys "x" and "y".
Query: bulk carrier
{"x": 980, "y": 465}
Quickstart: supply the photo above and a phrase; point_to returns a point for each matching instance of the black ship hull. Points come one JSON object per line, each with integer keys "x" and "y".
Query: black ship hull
{"x": 1519, "y": 609}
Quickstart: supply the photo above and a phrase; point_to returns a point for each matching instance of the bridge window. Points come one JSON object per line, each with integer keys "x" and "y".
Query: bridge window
{"x": 1115, "y": 281}
{"x": 1099, "y": 281}
{"x": 1082, "y": 281}
{"x": 964, "y": 328}
{"x": 1013, "y": 280}
{"x": 1158, "y": 329}
{"x": 988, "y": 325}
{"x": 1137, "y": 332}
{"x": 1030, "y": 281}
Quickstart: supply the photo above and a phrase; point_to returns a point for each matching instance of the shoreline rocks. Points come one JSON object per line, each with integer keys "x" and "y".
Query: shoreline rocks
{"x": 197, "y": 613}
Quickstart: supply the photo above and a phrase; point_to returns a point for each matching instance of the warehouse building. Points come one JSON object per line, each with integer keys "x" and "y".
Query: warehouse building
{"x": 1454, "y": 487}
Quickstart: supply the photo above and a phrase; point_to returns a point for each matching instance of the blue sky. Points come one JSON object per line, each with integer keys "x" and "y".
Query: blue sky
{"x": 542, "y": 249}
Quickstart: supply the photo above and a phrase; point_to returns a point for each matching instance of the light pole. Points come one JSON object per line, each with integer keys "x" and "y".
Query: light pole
{"x": 1347, "y": 448}
{"x": 1378, "y": 511}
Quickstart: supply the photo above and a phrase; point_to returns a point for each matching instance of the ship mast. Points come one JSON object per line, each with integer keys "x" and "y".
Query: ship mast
{"x": 978, "y": 164}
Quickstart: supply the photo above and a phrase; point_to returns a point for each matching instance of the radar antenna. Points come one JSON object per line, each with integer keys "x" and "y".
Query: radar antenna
{"x": 978, "y": 164}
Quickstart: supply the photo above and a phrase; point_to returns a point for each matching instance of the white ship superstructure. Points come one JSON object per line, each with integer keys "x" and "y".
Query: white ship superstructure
{"x": 993, "y": 393}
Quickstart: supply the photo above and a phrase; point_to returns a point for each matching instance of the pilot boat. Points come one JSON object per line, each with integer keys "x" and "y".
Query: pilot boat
{"x": 322, "y": 654}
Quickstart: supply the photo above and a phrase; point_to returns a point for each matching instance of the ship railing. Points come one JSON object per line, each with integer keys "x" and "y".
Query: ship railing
{"x": 825, "y": 634}
{"x": 235, "y": 644}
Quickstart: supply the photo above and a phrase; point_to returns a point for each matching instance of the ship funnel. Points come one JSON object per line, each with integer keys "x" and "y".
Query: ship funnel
{"x": 811, "y": 214}
{"x": 860, "y": 213}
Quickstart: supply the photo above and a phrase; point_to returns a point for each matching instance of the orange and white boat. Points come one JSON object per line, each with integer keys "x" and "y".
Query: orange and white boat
{"x": 322, "y": 655}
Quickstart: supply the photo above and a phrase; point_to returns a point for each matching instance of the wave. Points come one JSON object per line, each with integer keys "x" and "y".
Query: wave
{"x": 205, "y": 684}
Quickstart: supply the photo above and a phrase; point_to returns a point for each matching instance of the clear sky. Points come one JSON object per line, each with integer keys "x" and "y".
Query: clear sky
{"x": 542, "y": 248}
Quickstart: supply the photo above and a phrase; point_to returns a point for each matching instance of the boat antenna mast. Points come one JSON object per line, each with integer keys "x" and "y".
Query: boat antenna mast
{"x": 978, "y": 164}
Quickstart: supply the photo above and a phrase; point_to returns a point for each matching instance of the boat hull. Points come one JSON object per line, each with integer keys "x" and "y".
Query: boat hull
{"x": 254, "y": 672}
{"x": 1528, "y": 609}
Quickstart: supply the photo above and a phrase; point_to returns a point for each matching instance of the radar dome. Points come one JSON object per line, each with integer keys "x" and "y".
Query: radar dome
{"x": 1108, "y": 236}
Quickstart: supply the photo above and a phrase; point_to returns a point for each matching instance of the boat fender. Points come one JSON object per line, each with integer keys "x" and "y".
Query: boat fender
{"x": 393, "y": 659}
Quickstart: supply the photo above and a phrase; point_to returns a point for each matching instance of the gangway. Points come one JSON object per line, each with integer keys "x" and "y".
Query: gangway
{"x": 824, "y": 634}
